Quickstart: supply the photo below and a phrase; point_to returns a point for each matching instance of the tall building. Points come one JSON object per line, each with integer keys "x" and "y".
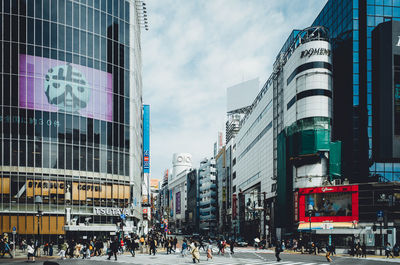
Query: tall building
{"x": 328, "y": 113}
{"x": 71, "y": 117}
{"x": 208, "y": 197}
{"x": 222, "y": 186}
{"x": 351, "y": 23}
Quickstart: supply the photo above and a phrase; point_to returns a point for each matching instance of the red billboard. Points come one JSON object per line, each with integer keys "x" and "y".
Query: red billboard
{"x": 333, "y": 204}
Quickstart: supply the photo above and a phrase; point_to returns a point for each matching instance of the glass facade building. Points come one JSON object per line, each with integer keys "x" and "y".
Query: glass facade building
{"x": 351, "y": 23}
{"x": 70, "y": 114}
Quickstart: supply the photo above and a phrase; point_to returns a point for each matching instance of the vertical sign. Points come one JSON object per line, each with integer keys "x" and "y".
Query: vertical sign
{"x": 296, "y": 206}
{"x": 234, "y": 201}
{"x": 178, "y": 202}
{"x": 396, "y": 108}
{"x": 146, "y": 138}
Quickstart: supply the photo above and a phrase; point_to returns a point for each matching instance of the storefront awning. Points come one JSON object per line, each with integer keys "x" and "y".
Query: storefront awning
{"x": 96, "y": 228}
{"x": 324, "y": 225}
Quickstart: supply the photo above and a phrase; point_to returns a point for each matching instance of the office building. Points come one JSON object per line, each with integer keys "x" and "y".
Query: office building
{"x": 70, "y": 118}
{"x": 351, "y": 23}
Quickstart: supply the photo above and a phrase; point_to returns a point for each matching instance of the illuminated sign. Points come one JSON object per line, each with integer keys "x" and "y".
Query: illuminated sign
{"x": 333, "y": 204}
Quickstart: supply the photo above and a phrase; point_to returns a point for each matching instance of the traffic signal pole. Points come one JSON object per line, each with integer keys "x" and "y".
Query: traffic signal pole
{"x": 382, "y": 239}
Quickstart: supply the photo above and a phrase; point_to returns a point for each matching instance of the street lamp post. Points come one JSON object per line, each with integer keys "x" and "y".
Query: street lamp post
{"x": 38, "y": 202}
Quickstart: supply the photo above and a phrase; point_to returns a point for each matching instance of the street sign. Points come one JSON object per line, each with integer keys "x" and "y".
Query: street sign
{"x": 162, "y": 225}
{"x": 379, "y": 215}
{"x": 123, "y": 216}
{"x": 14, "y": 232}
{"x": 14, "y": 228}
{"x": 166, "y": 230}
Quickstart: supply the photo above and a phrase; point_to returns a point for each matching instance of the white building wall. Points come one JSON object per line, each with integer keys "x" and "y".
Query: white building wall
{"x": 180, "y": 163}
{"x": 178, "y": 184}
{"x": 254, "y": 162}
{"x": 315, "y": 78}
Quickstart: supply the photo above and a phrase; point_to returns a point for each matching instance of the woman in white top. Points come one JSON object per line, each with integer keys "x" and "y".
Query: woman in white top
{"x": 30, "y": 250}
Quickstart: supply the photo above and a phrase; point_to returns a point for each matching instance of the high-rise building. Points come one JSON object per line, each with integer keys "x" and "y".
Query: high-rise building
{"x": 351, "y": 23}
{"x": 70, "y": 117}
{"x": 208, "y": 197}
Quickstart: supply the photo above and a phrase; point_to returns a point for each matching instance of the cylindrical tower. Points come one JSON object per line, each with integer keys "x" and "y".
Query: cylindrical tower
{"x": 180, "y": 162}
{"x": 70, "y": 82}
{"x": 307, "y": 106}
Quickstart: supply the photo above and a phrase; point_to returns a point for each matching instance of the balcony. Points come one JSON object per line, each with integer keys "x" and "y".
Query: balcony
{"x": 212, "y": 201}
{"x": 209, "y": 193}
{"x": 208, "y": 209}
{"x": 208, "y": 186}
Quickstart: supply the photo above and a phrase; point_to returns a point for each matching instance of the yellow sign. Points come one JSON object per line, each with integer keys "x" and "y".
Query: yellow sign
{"x": 44, "y": 187}
{"x": 5, "y": 185}
{"x": 83, "y": 191}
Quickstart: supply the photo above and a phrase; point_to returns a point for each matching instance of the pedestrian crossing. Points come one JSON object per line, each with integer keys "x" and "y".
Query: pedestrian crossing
{"x": 162, "y": 259}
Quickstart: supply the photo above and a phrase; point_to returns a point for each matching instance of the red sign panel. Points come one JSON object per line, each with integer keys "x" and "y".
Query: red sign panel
{"x": 334, "y": 204}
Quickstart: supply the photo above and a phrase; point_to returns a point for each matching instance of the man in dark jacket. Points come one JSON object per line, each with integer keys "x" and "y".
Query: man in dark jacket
{"x": 278, "y": 250}
{"x": 114, "y": 246}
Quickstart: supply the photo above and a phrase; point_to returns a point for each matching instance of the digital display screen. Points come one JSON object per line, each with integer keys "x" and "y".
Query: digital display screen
{"x": 329, "y": 204}
{"x": 57, "y": 86}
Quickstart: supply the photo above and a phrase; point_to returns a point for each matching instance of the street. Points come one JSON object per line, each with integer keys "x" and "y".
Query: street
{"x": 241, "y": 256}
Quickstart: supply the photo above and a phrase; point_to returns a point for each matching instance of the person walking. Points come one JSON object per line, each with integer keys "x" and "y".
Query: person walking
{"x": 184, "y": 248}
{"x": 174, "y": 243}
{"x": 114, "y": 246}
{"x": 167, "y": 246}
{"x": 195, "y": 253}
{"x": 63, "y": 249}
{"x": 396, "y": 250}
{"x": 209, "y": 252}
{"x": 388, "y": 250}
{"x": 5, "y": 247}
{"x": 232, "y": 246}
{"x": 363, "y": 251}
{"x": 328, "y": 253}
{"x": 51, "y": 250}
{"x": 278, "y": 250}
{"x": 31, "y": 251}
{"x": 153, "y": 246}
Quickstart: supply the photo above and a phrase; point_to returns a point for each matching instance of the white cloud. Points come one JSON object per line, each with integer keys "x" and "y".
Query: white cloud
{"x": 194, "y": 50}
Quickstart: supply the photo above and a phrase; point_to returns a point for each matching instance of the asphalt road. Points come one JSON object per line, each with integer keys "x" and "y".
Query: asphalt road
{"x": 242, "y": 256}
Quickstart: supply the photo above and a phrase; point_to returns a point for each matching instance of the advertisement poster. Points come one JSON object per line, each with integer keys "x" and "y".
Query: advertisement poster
{"x": 178, "y": 203}
{"x": 57, "y": 86}
{"x": 330, "y": 204}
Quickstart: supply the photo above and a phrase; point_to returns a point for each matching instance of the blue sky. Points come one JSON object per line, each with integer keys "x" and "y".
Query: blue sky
{"x": 194, "y": 50}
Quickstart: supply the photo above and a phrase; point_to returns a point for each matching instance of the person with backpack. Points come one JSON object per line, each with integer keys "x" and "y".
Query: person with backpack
{"x": 278, "y": 250}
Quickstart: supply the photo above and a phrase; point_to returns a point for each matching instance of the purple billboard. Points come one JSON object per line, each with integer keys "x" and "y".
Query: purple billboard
{"x": 57, "y": 86}
{"x": 178, "y": 203}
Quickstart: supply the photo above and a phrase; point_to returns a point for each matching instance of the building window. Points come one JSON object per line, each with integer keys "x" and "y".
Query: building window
{"x": 234, "y": 175}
